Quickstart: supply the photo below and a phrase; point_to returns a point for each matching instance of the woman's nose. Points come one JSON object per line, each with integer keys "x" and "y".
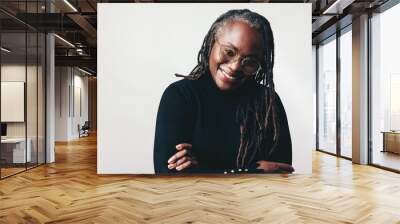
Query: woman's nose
{"x": 235, "y": 65}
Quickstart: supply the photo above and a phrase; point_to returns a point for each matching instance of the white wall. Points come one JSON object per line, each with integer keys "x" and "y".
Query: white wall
{"x": 68, "y": 82}
{"x": 61, "y": 103}
{"x": 141, "y": 46}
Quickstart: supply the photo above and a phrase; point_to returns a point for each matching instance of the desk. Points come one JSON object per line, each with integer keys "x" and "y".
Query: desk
{"x": 15, "y": 148}
{"x": 391, "y": 141}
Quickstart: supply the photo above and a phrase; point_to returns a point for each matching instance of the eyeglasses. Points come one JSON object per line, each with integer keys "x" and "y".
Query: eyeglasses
{"x": 249, "y": 65}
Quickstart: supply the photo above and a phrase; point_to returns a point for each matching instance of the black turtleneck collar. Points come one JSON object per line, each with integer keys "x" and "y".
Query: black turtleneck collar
{"x": 212, "y": 87}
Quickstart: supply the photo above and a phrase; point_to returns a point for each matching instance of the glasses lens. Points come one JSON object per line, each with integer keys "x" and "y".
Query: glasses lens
{"x": 227, "y": 53}
{"x": 250, "y": 65}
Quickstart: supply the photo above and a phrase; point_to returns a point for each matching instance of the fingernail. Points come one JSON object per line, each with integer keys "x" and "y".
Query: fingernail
{"x": 178, "y": 168}
{"x": 178, "y": 146}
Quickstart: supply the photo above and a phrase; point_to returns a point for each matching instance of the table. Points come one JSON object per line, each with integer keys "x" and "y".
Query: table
{"x": 391, "y": 141}
{"x": 13, "y": 150}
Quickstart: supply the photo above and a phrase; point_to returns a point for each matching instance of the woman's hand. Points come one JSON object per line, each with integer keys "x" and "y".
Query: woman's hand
{"x": 183, "y": 158}
{"x": 274, "y": 167}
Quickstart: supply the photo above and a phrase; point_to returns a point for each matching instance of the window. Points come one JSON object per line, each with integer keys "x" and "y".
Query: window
{"x": 327, "y": 96}
{"x": 346, "y": 93}
{"x": 385, "y": 88}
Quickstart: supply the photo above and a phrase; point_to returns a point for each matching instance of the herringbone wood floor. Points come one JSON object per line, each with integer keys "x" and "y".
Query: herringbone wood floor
{"x": 70, "y": 191}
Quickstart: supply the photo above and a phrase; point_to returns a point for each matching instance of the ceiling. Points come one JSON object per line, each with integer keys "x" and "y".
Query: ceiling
{"x": 76, "y": 22}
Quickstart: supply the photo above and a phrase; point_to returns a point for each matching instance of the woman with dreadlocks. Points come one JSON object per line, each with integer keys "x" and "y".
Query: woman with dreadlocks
{"x": 225, "y": 116}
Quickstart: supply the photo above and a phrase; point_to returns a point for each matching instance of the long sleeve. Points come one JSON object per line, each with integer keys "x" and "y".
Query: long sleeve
{"x": 173, "y": 126}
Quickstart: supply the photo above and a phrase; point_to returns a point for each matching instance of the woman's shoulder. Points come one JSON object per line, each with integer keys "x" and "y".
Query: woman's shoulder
{"x": 181, "y": 86}
{"x": 183, "y": 89}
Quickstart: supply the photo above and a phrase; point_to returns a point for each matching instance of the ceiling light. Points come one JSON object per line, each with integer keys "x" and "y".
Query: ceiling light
{"x": 5, "y": 50}
{"x": 70, "y": 5}
{"x": 64, "y": 40}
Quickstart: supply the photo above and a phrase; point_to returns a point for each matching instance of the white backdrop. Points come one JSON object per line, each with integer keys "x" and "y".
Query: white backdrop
{"x": 142, "y": 46}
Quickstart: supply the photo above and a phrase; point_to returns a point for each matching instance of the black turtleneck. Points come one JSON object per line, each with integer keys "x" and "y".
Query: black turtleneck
{"x": 197, "y": 112}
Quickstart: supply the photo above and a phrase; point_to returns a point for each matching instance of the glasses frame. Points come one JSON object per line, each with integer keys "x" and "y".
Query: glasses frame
{"x": 237, "y": 57}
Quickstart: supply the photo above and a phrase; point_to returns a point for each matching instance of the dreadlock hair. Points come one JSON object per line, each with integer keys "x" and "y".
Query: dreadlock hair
{"x": 257, "y": 115}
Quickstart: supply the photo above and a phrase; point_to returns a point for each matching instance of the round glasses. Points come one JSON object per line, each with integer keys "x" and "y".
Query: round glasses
{"x": 249, "y": 65}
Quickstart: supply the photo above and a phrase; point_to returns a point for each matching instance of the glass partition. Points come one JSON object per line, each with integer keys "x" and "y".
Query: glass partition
{"x": 14, "y": 153}
{"x": 32, "y": 95}
{"x": 41, "y": 88}
{"x": 22, "y": 77}
{"x": 33, "y": 72}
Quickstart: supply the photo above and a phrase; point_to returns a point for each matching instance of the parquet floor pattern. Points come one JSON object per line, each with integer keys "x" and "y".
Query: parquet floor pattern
{"x": 70, "y": 191}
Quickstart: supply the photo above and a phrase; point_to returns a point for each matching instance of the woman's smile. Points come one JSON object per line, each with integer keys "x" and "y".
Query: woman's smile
{"x": 226, "y": 76}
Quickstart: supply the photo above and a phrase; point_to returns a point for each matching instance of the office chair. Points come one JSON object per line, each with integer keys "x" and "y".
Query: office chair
{"x": 84, "y": 130}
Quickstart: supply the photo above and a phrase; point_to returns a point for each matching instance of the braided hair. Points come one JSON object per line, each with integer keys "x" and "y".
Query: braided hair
{"x": 257, "y": 116}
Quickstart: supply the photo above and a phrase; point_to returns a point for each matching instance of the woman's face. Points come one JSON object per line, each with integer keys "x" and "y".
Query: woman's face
{"x": 236, "y": 48}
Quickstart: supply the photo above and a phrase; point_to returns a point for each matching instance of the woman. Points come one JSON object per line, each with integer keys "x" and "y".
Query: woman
{"x": 225, "y": 116}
